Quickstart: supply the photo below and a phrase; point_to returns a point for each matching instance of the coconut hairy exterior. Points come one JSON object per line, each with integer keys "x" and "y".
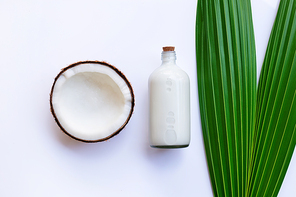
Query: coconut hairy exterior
{"x": 92, "y": 63}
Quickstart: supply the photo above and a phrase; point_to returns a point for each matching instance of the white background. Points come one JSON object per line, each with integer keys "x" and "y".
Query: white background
{"x": 38, "y": 38}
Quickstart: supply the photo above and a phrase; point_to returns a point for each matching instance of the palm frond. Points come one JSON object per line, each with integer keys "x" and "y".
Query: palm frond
{"x": 274, "y": 139}
{"x": 226, "y": 68}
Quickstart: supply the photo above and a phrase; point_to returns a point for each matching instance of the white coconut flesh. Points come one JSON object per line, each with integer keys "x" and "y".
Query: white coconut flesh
{"x": 91, "y": 101}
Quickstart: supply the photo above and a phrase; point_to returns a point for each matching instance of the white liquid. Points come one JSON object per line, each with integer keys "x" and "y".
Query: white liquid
{"x": 169, "y": 99}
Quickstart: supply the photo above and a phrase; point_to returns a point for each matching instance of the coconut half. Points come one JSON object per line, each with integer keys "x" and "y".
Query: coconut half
{"x": 91, "y": 101}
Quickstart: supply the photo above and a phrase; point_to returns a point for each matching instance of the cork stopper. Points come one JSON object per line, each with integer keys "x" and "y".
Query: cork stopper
{"x": 168, "y": 48}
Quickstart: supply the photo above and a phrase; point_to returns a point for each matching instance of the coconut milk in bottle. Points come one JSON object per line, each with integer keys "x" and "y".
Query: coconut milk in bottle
{"x": 169, "y": 104}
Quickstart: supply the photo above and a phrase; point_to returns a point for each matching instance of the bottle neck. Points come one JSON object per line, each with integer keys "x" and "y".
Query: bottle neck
{"x": 168, "y": 57}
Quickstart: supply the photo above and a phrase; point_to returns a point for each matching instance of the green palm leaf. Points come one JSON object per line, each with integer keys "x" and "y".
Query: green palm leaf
{"x": 274, "y": 141}
{"x": 226, "y": 68}
{"x": 248, "y": 143}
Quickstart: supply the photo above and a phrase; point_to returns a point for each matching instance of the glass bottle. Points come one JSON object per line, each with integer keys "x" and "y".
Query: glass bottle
{"x": 169, "y": 104}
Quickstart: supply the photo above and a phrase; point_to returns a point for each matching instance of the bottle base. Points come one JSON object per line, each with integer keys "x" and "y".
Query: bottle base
{"x": 169, "y": 146}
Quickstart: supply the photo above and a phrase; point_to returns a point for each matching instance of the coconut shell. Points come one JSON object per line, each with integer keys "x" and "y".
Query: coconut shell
{"x": 119, "y": 73}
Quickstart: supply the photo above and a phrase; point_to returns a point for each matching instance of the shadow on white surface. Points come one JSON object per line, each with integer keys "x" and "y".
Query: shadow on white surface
{"x": 164, "y": 158}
